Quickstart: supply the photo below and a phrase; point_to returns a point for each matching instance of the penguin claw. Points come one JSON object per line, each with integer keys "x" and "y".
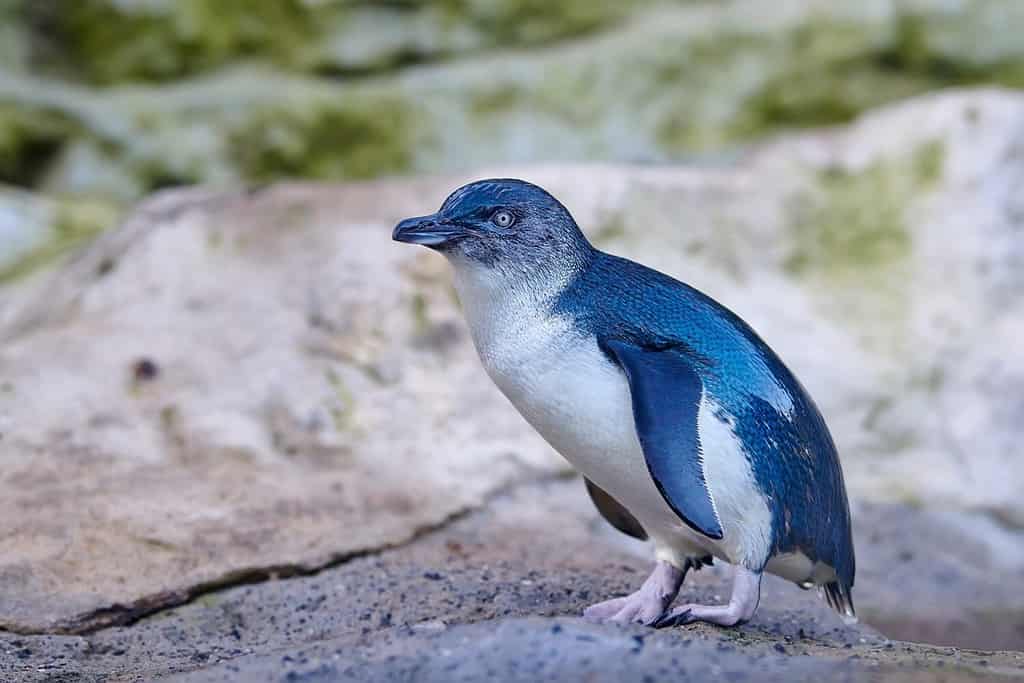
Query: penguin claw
{"x": 673, "y": 618}
{"x": 646, "y": 605}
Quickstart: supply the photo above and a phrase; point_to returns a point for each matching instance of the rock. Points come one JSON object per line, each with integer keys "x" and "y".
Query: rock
{"x": 513, "y": 579}
{"x": 14, "y": 37}
{"x": 233, "y": 385}
{"x": 109, "y": 41}
{"x": 24, "y": 219}
{"x": 940, "y": 576}
{"x": 35, "y": 230}
{"x": 661, "y": 84}
{"x": 167, "y": 465}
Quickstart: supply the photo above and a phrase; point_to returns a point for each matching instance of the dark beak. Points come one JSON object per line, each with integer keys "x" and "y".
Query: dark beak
{"x": 430, "y": 231}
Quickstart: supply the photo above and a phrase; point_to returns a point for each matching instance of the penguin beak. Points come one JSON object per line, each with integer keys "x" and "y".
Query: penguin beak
{"x": 430, "y": 231}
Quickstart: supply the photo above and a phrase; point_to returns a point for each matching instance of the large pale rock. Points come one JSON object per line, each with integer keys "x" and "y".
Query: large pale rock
{"x": 231, "y": 385}
{"x": 236, "y": 384}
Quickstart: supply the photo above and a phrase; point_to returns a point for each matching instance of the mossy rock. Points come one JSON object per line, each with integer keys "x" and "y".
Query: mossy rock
{"x": 14, "y": 38}
{"x": 670, "y": 83}
{"x": 360, "y": 138}
{"x": 30, "y": 138}
{"x": 108, "y": 42}
{"x": 113, "y": 41}
{"x": 834, "y": 71}
{"x": 62, "y": 225}
{"x": 535, "y": 21}
{"x": 855, "y": 220}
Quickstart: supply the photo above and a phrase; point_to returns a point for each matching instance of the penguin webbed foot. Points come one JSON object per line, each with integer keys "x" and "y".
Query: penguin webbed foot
{"x": 722, "y": 615}
{"x": 746, "y": 593}
{"x": 674, "y": 618}
{"x": 647, "y": 605}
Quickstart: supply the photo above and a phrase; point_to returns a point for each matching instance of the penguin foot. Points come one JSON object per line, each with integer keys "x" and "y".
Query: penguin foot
{"x": 746, "y": 593}
{"x": 723, "y": 615}
{"x": 677, "y": 617}
{"x": 645, "y": 606}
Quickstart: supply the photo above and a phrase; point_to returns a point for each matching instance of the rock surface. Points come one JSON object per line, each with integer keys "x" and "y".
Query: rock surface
{"x": 184, "y": 427}
{"x": 34, "y": 231}
{"x": 234, "y": 385}
{"x": 496, "y": 594}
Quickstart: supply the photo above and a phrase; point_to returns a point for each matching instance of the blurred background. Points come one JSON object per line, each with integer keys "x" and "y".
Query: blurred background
{"x": 200, "y": 383}
{"x": 103, "y": 101}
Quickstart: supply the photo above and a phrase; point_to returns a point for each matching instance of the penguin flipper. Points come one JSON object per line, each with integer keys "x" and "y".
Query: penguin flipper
{"x": 666, "y": 393}
{"x": 613, "y": 511}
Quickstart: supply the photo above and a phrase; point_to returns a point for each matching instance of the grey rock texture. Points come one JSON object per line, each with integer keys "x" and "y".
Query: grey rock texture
{"x": 496, "y": 595}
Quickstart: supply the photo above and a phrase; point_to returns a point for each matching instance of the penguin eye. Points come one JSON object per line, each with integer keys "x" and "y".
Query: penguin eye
{"x": 502, "y": 218}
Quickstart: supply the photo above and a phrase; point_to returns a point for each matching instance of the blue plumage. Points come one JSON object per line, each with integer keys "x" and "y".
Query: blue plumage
{"x": 790, "y": 449}
{"x": 692, "y": 369}
{"x": 666, "y": 394}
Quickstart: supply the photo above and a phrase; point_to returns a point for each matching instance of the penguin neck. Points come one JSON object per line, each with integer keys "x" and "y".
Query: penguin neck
{"x": 504, "y": 305}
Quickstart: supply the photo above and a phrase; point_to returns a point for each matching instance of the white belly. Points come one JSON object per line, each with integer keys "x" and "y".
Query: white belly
{"x": 580, "y": 403}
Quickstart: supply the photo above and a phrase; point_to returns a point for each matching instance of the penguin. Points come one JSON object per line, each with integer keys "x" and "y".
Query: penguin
{"x": 688, "y": 429}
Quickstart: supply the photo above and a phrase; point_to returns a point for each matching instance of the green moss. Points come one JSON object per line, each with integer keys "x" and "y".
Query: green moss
{"x": 420, "y": 316}
{"x": 856, "y": 219}
{"x": 831, "y": 72}
{"x": 109, "y": 41}
{"x": 106, "y": 42}
{"x": 491, "y": 100}
{"x": 75, "y": 224}
{"x": 354, "y": 139}
{"x": 342, "y": 409}
{"x": 29, "y": 140}
{"x": 568, "y": 95}
{"x": 857, "y": 223}
{"x": 928, "y": 161}
{"x": 534, "y": 21}
{"x": 930, "y": 380}
{"x": 613, "y": 228}
{"x": 13, "y": 35}
{"x": 705, "y": 66}
{"x": 562, "y": 93}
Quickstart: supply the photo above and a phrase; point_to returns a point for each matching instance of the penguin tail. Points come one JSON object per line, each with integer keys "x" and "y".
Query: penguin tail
{"x": 839, "y": 597}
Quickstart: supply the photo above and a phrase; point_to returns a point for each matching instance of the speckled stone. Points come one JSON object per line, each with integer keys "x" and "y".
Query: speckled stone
{"x": 497, "y": 594}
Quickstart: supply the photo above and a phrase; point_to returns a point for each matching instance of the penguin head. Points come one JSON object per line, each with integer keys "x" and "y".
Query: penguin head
{"x": 504, "y": 224}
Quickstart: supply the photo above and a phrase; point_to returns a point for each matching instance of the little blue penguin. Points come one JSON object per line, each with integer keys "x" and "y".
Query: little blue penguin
{"x": 688, "y": 429}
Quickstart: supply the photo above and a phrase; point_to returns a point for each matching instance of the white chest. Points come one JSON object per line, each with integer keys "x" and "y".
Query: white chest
{"x": 566, "y": 388}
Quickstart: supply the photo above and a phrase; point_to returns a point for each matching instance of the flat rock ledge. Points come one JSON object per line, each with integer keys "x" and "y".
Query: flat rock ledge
{"x": 496, "y": 595}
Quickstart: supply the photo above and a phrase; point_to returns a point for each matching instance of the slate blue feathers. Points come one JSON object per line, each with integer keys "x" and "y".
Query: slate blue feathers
{"x": 790, "y": 449}
{"x": 679, "y": 350}
{"x": 666, "y": 393}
